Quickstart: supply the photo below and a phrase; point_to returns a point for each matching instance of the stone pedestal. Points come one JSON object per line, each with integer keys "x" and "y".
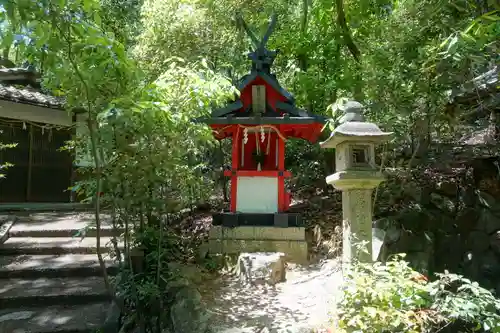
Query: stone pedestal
{"x": 356, "y": 207}
{"x": 357, "y": 189}
{"x": 291, "y": 241}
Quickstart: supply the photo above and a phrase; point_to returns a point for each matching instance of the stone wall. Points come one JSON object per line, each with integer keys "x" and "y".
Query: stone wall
{"x": 446, "y": 222}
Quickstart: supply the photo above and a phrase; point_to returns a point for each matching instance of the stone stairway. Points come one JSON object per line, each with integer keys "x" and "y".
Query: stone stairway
{"x": 50, "y": 281}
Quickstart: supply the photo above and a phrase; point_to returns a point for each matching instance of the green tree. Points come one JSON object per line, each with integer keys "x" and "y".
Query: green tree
{"x": 145, "y": 150}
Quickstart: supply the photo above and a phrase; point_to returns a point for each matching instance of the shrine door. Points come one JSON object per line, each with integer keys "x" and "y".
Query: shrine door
{"x": 40, "y": 172}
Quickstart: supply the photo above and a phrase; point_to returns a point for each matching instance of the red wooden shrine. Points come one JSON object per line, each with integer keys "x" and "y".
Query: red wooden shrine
{"x": 259, "y": 122}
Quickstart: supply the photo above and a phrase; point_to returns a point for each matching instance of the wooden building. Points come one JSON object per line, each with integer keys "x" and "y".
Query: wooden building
{"x": 40, "y": 126}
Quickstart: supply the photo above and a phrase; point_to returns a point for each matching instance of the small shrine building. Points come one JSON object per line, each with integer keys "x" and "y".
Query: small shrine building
{"x": 259, "y": 123}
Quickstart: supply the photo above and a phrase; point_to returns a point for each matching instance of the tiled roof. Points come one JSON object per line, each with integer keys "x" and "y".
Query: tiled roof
{"x": 18, "y": 74}
{"x": 30, "y": 96}
{"x": 481, "y": 86}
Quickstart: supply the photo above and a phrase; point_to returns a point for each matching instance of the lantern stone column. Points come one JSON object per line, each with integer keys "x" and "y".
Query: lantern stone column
{"x": 356, "y": 176}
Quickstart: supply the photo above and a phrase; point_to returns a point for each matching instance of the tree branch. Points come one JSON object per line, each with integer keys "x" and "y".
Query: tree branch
{"x": 91, "y": 123}
{"x": 346, "y": 33}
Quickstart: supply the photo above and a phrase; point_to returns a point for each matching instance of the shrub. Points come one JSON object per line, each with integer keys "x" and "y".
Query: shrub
{"x": 392, "y": 297}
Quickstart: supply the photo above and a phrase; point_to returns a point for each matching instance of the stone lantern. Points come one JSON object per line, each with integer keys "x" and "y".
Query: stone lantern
{"x": 356, "y": 176}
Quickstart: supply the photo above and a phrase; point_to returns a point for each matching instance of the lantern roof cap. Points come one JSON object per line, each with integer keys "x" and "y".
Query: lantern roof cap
{"x": 354, "y": 127}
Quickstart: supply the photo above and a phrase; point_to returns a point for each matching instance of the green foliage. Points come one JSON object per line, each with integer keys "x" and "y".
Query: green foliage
{"x": 412, "y": 54}
{"x": 460, "y": 299}
{"x": 143, "y": 132}
{"x": 380, "y": 298}
{"x": 140, "y": 287}
{"x": 147, "y": 155}
{"x": 122, "y": 18}
{"x": 65, "y": 40}
{"x": 392, "y": 297}
{"x": 140, "y": 83}
{"x": 5, "y": 164}
{"x": 152, "y": 146}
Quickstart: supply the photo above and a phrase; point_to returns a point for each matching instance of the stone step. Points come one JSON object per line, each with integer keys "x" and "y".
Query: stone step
{"x": 59, "y": 266}
{"x": 53, "y": 245}
{"x": 51, "y": 291}
{"x": 44, "y": 206}
{"x": 61, "y": 224}
{"x": 87, "y": 318}
{"x": 53, "y": 232}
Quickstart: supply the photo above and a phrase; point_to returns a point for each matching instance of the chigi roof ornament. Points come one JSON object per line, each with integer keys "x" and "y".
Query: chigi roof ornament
{"x": 262, "y": 58}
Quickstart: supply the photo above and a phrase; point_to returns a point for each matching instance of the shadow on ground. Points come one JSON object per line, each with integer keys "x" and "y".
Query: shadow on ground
{"x": 306, "y": 300}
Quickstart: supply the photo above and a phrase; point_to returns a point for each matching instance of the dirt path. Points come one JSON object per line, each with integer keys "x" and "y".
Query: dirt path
{"x": 306, "y": 301}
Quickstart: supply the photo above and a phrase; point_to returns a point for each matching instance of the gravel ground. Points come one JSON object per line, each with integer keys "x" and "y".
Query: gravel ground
{"x": 304, "y": 303}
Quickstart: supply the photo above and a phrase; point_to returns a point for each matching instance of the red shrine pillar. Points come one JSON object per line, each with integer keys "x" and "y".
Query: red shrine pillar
{"x": 234, "y": 168}
{"x": 282, "y": 200}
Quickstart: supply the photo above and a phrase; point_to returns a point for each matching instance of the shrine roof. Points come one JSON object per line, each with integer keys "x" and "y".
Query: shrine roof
{"x": 278, "y": 109}
{"x": 269, "y": 79}
{"x": 285, "y": 113}
{"x": 255, "y": 120}
{"x": 31, "y": 96}
{"x": 22, "y": 85}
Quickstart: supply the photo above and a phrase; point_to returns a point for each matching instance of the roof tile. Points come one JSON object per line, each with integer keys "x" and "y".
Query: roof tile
{"x": 30, "y": 96}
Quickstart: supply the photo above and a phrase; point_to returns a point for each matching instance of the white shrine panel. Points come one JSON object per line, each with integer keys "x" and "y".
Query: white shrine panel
{"x": 257, "y": 195}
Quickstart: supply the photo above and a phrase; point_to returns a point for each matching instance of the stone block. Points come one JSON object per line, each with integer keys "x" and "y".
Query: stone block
{"x": 488, "y": 221}
{"x": 495, "y": 242}
{"x": 445, "y": 245}
{"x": 258, "y": 233}
{"x": 448, "y": 188}
{"x": 489, "y": 266}
{"x": 187, "y": 313}
{"x": 255, "y": 219}
{"x": 412, "y": 242}
{"x": 478, "y": 241}
{"x": 262, "y": 268}
{"x": 294, "y": 250}
{"x": 466, "y": 220}
{"x": 420, "y": 261}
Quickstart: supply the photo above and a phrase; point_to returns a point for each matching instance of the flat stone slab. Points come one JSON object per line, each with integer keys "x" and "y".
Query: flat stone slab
{"x": 53, "y": 245}
{"x": 54, "y": 319}
{"x": 51, "y": 287}
{"x": 30, "y": 266}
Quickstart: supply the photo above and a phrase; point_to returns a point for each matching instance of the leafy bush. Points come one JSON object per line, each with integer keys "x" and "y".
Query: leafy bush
{"x": 392, "y": 297}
